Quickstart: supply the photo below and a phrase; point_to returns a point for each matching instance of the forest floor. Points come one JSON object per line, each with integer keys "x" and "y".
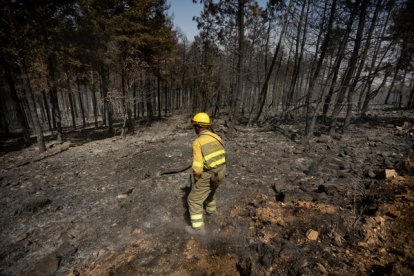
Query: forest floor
{"x": 95, "y": 206}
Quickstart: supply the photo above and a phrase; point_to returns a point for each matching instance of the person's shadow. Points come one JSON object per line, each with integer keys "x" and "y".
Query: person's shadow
{"x": 187, "y": 190}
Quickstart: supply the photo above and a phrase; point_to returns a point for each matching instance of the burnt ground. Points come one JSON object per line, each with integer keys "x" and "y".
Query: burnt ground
{"x": 104, "y": 207}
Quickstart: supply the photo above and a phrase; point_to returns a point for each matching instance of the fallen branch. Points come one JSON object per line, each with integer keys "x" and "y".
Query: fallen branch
{"x": 49, "y": 153}
{"x": 175, "y": 170}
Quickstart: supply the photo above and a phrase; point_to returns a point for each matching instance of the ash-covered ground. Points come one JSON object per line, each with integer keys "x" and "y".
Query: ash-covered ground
{"x": 105, "y": 207}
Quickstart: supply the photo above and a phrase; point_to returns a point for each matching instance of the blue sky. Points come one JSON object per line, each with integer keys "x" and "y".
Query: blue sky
{"x": 184, "y": 11}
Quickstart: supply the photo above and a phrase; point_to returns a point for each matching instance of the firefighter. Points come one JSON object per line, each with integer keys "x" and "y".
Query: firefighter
{"x": 209, "y": 169}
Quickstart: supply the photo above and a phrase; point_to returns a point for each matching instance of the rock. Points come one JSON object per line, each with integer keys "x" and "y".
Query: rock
{"x": 326, "y": 139}
{"x": 48, "y": 265}
{"x": 388, "y": 163}
{"x": 390, "y": 173}
{"x": 279, "y": 185}
{"x": 312, "y": 235}
{"x": 137, "y": 232}
{"x": 321, "y": 197}
{"x": 379, "y": 220}
{"x": 337, "y": 136}
{"x": 342, "y": 154}
{"x": 321, "y": 268}
{"x": 338, "y": 239}
{"x": 126, "y": 194}
{"x": 329, "y": 188}
{"x": 33, "y": 204}
{"x": 75, "y": 272}
{"x": 322, "y": 189}
{"x": 305, "y": 197}
{"x": 408, "y": 165}
{"x": 371, "y": 173}
{"x": 393, "y": 213}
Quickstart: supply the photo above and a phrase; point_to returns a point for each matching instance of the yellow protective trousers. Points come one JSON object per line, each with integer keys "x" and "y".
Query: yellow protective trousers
{"x": 202, "y": 193}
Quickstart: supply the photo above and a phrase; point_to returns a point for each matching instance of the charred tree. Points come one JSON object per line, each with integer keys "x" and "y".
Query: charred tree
{"x": 21, "y": 117}
{"x": 263, "y": 92}
{"x": 362, "y": 59}
{"x": 71, "y": 104}
{"x": 148, "y": 98}
{"x": 236, "y": 97}
{"x": 107, "y": 105}
{"x": 300, "y": 44}
{"x": 94, "y": 104}
{"x": 30, "y": 99}
{"x": 81, "y": 106}
{"x": 56, "y": 115}
{"x": 47, "y": 110}
{"x": 351, "y": 66}
{"x": 311, "y": 112}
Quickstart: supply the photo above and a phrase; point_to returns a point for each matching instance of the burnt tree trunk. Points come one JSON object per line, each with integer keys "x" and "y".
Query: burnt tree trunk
{"x": 81, "y": 101}
{"x": 159, "y": 93}
{"x": 71, "y": 105}
{"x": 351, "y": 67}
{"x": 410, "y": 103}
{"x": 300, "y": 44}
{"x": 263, "y": 92}
{"x": 134, "y": 95}
{"x": 362, "y": 59}
{"x": 56, "y": 115}
{"x": 148, "y": 98}
{"x": 311, "y": 112}
{"x": 46, "y": 105}
{"x": 30, "y": 100}
{"x": 235, "y": 105}
{"x": 397, "y": 69}
{"x": 94, "y": 104}
{"x": 21, "y": 117}
{"x": 4, "y": 125}
{"x": 107, "y": 106}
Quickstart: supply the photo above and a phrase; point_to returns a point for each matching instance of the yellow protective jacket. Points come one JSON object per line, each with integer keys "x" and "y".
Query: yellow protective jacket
{"x": 208, "y": 152}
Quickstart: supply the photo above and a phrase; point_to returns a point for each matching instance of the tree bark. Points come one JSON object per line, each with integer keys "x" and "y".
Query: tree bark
{"x": 46, "y": 105}
{"x": 134, "y": 95}
{"x": 311, "y": 112}
{"x": 56, "y": 115}
{"x": 4, "y": 125}
{"x": 148, "y": 97}
{"x": 263, "y": 93}
{"x": 107, "y": 106}
{"x": 365, "y": 97}
{"x": 81, "y": 101}
{"x": 351, "y": 66}
{"x": 21, "y": 117}
{"x": 371, "y": 95}
{"x": 159, "y": 92}
{"x": 410, "y": 103}
{"x": 300, "y": 44}
{"x": 234, "y": 115}
{"x": 362, "y": 59}
{"x": 71, "y": 105}
{"x": 397, "y": 69}
{"x": 123, "y": 99}
{"x": 30, "y": 99}
{"x": 94, "y": 104}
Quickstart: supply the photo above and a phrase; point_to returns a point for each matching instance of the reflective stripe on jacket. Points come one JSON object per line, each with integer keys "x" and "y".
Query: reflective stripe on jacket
{"x": 208, "y": 152}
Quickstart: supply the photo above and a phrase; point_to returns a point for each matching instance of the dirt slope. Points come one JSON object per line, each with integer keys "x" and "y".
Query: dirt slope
{"x": 105, "y": 208}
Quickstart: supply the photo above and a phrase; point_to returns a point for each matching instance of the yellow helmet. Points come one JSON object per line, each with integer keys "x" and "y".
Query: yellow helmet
{"x": 201, "y": 119}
